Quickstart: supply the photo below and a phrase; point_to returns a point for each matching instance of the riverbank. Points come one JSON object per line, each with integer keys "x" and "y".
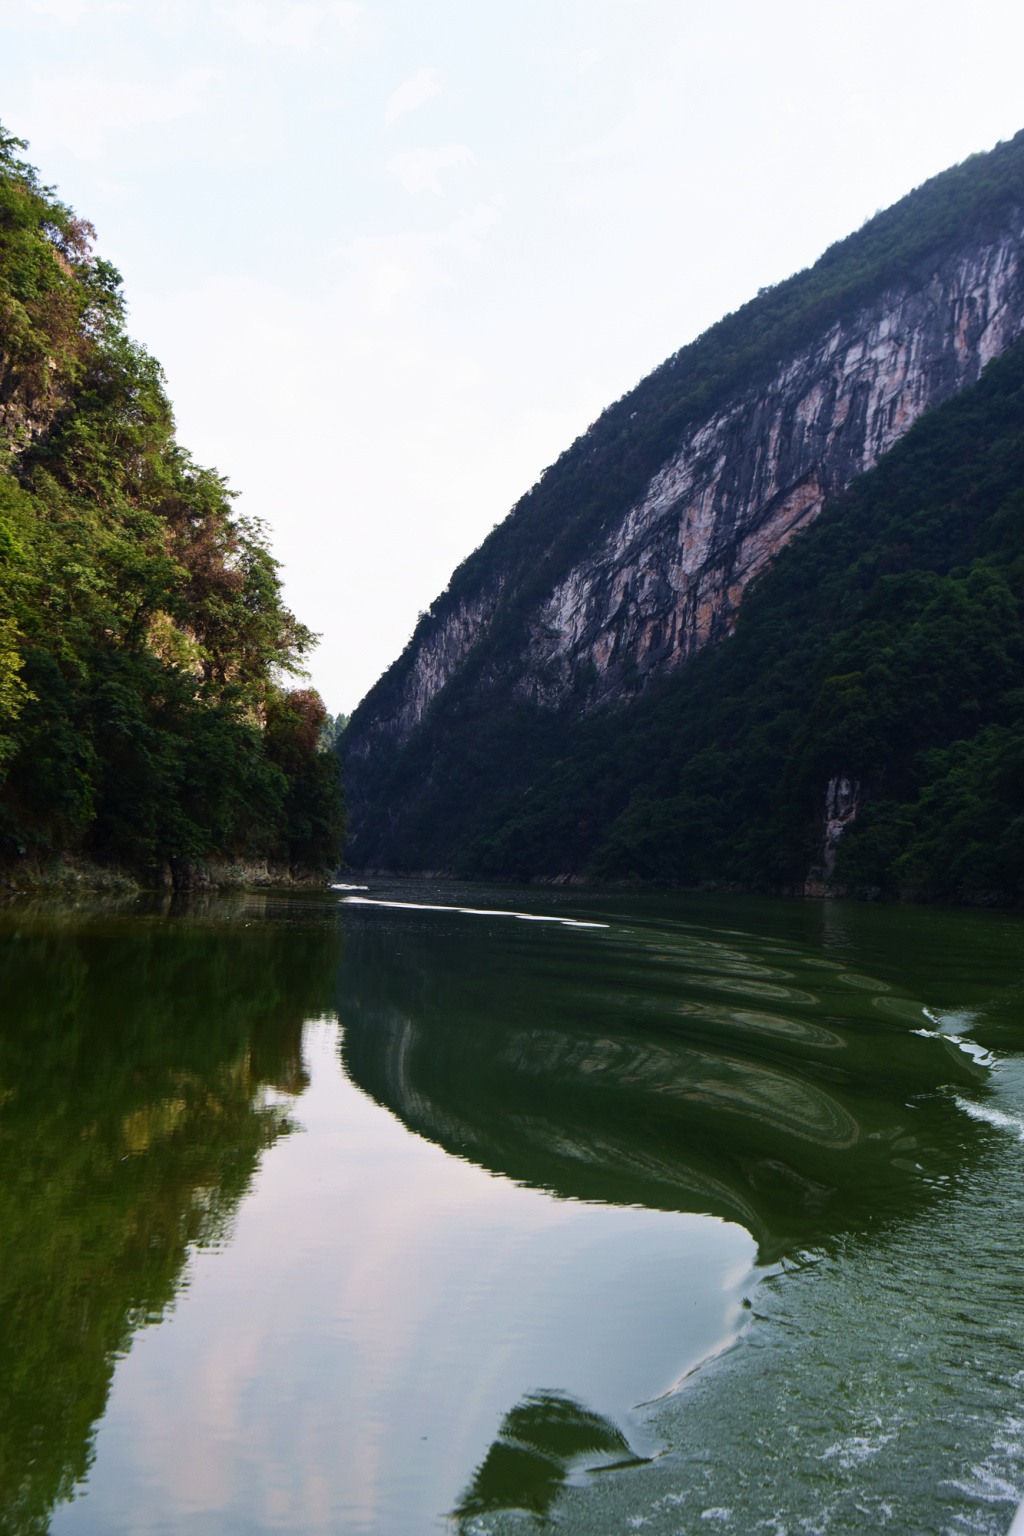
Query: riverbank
{"x": 71, "y": 875}
{"x": 811, "y": 889}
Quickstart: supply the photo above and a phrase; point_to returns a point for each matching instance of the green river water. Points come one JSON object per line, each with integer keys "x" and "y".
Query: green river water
{"x": 423, "y": 1208}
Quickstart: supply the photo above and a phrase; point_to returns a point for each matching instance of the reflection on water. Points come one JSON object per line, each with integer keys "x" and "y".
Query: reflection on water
{"x": 541, "y": 1443}
{"x": 605, "y": 1074}
{"x": 497, "y": 1291}
{"x": 134, "y": 1064}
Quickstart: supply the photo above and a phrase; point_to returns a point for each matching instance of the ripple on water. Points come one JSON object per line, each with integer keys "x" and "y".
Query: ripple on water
{"x": 772, "y": 1026}
{"x": 760, "y": 989}
{"x": 879, "y": 1386}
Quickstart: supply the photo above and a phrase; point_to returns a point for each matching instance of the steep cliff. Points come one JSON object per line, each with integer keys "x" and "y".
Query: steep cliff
{"x": 633, "y": 552}
{"x": 668, "y": 578}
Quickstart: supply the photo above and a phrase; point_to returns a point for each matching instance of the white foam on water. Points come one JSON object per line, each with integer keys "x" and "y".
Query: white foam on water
{"x": 991, "y": 1116}
{"x": 428, "y": 906}
{"x": 987, "y": 1486}
{"x": 970, "y": 1048}
{"x": 350, "y": 887}
{"x": 998, "y": 1479}
{"x": 977, "y": 1053}
{"x": 953, "y": 1021}
{"x": 855, "y": 1449}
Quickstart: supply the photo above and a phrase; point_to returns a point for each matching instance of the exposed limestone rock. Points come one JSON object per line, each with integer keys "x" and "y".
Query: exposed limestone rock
{"x": 669, "y": 575}
{"x": 25, "y": 411}
{"x": 843, "y": 799}
{"x": 439, "y": 655}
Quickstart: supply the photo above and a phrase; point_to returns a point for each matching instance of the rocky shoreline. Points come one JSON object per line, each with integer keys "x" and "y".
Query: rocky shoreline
{"x": 68, "y": 875}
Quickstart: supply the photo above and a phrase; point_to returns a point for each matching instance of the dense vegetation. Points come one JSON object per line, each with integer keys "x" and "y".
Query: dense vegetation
{"x": 331, "y": 728}
{"x": 885, "y": 644}
{"x": 143, "y": 637}
{"x": 606, "y": 469}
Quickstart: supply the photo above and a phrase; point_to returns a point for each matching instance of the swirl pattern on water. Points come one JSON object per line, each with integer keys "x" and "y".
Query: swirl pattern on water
{"x": 637, "y": 1088}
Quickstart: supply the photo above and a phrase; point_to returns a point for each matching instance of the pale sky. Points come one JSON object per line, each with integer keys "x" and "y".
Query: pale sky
{"x": 394, "y": 256}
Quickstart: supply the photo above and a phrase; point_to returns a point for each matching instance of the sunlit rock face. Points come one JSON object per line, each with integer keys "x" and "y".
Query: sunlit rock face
{"x": 668, "y": 576}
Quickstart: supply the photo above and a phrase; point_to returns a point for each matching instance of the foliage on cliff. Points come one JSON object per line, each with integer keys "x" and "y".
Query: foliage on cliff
{"x": 606, "y": 469}
{"x": 142, "y": 629}
{"x": 885, "y": 644}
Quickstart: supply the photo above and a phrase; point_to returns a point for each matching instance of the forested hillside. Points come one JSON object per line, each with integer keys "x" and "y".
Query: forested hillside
{"x": 629, "y": 680}
{"x": 884, "y": 647}
{"x": 144, "y": 722}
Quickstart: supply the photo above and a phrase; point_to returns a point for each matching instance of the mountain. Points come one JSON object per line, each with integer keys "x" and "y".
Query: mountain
{"x": 610, "y": 608}
{"x": 142, "y": 630}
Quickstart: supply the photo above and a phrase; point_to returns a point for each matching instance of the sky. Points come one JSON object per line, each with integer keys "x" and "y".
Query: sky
{"x": 395, "y": 256}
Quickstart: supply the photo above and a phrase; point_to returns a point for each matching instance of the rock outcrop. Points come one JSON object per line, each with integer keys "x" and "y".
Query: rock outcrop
{"x": 661, "y": 573}
{"x": 668, "y": 578}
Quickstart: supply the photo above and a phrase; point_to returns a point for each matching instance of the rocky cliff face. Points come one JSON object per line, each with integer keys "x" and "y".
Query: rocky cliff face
{"x": 667, "y": 577}
{"x": 450, "y": 640}
{"x": 29, "y": 401}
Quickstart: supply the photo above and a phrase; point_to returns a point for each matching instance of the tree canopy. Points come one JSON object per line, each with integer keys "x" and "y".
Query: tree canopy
{"x": 145, "y": 647}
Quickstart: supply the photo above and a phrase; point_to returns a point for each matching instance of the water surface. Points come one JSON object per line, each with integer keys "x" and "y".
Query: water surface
{"x": 371, "y": 1213}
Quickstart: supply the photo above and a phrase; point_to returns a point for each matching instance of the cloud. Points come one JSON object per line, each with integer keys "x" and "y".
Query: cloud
{"x": 417, "y": 169}
{"x": 67, "y": 12}
{"x": 379, "y": 269}
{"x": 649, "y": 122}
{"x": 294, "y": 27}
{"x": 78, "y": 110}
{"x": 412, "y": 94}
{"x": 388, "y": 281}
{"x": 347, "y": 13}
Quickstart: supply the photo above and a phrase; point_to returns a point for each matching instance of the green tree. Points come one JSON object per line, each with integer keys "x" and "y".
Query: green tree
{"x": 143, "y": 633}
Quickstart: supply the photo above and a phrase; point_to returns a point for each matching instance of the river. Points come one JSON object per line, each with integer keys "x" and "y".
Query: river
{"x": 416, "y": 1208}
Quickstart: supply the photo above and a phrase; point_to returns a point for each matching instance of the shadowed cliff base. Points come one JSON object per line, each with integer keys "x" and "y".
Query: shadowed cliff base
{"x": 70, "y": 875}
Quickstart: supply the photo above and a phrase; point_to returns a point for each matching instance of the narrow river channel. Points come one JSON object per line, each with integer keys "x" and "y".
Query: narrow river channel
{"x": 424, "y": 1208}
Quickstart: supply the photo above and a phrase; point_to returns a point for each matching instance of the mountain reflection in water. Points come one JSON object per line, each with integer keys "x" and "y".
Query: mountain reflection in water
{"x": 667, "y": 1068}
{"x": 689, "y": 1073}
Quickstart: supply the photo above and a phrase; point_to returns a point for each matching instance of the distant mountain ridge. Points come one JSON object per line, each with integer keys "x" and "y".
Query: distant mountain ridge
{"x": 634, "y": 550}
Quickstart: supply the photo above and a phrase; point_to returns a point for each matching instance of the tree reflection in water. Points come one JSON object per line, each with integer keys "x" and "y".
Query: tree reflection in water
{"x": 542, "y": 1442}
{"x": 672, "y": 1068}
{"x": 134, "y": 1067}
